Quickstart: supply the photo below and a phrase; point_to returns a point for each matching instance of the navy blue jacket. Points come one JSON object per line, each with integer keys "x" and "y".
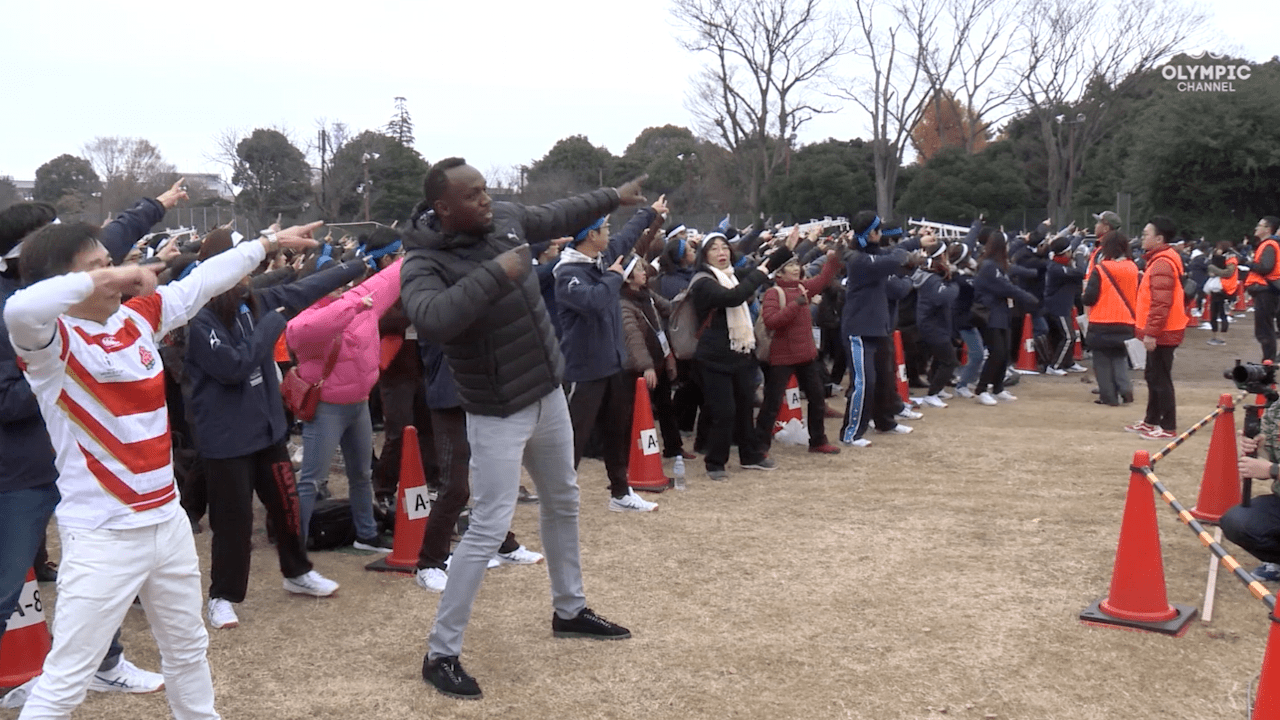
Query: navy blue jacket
{"x": 670, "y": 284}
{"x": 1062, "y": 284}
{"x": 25, "y": 447}
{"x": 935, "y": 302}
{"x": 962, "y": 309}
{"x": 588, "y": 299}
{"x": 992, "y": 288}
{"x": 442, "y": 391}
{"x": 235, "y": 393}
{"x": 866, "y": 303}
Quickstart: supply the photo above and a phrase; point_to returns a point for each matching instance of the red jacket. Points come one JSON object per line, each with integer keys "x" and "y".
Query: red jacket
{"x": 791, "y": 322}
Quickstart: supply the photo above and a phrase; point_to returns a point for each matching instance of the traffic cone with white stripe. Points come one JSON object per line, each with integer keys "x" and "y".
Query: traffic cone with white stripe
{"x": 644, "y": 469}
{"x": 790, "y": 408}
{"x": 26, "y": 637}
{"x": 412, "y": 509}
{"x": 1027, "y": 362}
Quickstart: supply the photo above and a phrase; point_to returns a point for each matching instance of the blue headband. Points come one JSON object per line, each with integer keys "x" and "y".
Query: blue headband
{"x": 582, "y": 234}
{"x": 371, "y": 259}
{"x": 326, "y": 256}
{"x": 187, "y": 270}
{"x": 862, "y": 236}
{"x": 891, "y": 232}
{"x": 683, "y": 242}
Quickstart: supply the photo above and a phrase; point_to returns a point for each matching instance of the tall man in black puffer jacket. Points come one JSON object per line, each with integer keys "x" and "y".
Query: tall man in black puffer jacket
{"x": 466, "y": 285}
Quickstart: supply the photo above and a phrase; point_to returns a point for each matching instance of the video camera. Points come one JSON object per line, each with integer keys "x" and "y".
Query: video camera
{"x": 1254, "y": 378}
{"x": 1258, "y": 380}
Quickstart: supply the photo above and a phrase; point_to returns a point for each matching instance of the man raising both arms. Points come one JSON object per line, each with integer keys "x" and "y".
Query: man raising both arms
{"x": 467, "y": 285}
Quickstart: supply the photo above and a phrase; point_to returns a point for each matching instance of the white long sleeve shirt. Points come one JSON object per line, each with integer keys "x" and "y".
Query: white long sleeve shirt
{"x": 101, "y": 388}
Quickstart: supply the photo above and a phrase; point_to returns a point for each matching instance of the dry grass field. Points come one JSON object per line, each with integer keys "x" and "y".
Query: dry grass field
{"x": 935, "y": 575}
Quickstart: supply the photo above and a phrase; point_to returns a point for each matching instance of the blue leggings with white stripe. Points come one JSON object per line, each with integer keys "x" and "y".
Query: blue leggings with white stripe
{"x": 872, "y": 390}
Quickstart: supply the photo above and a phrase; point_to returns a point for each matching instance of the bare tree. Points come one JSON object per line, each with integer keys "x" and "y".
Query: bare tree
{"x": 984, "y": 78}
{"x": 1081, "y": 55}
{"x": 768, "y": 57}
{"x": 130, "y": 168}
{"x": 912, "y": 47}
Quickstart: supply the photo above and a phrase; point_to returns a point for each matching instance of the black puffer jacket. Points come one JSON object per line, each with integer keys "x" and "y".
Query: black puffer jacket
{"x": 496, "y": 333}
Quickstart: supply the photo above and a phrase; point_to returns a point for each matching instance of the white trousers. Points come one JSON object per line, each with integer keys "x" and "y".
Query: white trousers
{"x": 100, "y": 574}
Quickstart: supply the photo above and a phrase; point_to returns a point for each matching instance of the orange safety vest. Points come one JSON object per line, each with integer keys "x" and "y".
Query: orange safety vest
{"x": 281, "y": 350}
{"x": 1177, "y": 319}
{"x": 1253, "y": 278}
{"x": 1112, "y": 307}
{"x": 1231, "y": 282}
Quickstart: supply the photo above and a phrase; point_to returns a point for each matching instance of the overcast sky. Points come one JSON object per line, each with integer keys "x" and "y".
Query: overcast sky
{"x": 497, "y": 82}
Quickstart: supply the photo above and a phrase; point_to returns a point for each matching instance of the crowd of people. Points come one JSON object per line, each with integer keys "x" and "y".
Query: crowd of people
{"x": 141, "y": 383}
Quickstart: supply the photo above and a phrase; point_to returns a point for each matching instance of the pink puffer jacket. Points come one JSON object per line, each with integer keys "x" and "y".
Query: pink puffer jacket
{"x": 311, "y": 334}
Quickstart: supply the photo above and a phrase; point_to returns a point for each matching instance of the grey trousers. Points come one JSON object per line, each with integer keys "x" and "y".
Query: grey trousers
{"x": 541, "y": 438}
{"x": 1112, "y": 368}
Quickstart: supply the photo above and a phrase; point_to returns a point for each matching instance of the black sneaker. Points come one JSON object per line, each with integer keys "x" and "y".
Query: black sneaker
{"x": 373, "y": 544}
{"x": 447, "y": 675}
{"x": 587, "y": 625}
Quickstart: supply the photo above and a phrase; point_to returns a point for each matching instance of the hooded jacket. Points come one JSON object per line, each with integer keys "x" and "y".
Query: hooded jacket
{"x": 992, "y": 288}
{"x": 235, "y": 389}
{"x": 587, "y": 299}
{"x": 311, "y": 335}
{"x": 495, "y": 332}
{"x": 791, "y": 321}
{"x": 935, "y": 303}
{"x": 866, "y": 302}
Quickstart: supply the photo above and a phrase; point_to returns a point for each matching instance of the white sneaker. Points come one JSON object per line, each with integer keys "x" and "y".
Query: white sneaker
{"x": 311, "y": 583}
{"x": 1077, "y": 368}
{"x": 432, "y": 579}
{"x": 17, "y": 697}
{"x": 933, "y": 401}
{"x": 986, "y": 398}
{"x": 1054, "y": 371}
{"x": 631, "y": 503}
{"x": 222, "y": 614}
{"x": 944, "y": 395}
{"x": 964, "y": 392}
{"x": 908, "y": 414}
{"x": 520, "y": 556}
{"x": 493, "y": 562}
{"x": 898, "y": 429}
{"x": 127, "y": 678}
{"x": 860, "y": 442}
{"x": 1005, "y": 396}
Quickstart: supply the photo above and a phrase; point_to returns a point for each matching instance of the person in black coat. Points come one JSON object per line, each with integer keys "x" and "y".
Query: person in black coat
{"x": 993, "y": 291}
{"x": 726, "y": 351}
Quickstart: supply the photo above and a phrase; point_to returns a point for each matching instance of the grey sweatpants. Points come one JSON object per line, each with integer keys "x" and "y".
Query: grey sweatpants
{"x": 541, "y": 437}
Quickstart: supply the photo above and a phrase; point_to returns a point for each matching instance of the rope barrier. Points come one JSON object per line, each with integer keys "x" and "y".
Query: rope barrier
{"x": 1256, "y": 588}
{"x": 1186, "y": 434}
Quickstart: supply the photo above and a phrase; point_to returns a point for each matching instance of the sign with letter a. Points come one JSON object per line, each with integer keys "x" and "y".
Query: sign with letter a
{"x": 416, "y": 503}
{"x": 649, "y": 441}
{"x": 793, "y": 398}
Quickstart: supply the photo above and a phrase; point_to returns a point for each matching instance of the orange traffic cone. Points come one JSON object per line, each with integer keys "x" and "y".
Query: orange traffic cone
{"x": 1241, "y": 303}
{"x": 900, "y": 358}
{"x": 644, "y": 471}
{"x": 1261, "y": 399}
{"x": 790, "y": 409}
{"x": 1220, "y": 485}
{"x": 1266, "y": 704}
{"x": 26, "y": 638}
{"x": 1027, "y": 362}
{"x": 1077, "y": 353}
{"x": 1137, "y": 598}
{"x": 412, "y": 509}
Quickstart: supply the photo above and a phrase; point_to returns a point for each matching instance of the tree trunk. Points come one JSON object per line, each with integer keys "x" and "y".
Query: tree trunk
{"x": 886, "y": 179}
{"x": 1054, "y": 180}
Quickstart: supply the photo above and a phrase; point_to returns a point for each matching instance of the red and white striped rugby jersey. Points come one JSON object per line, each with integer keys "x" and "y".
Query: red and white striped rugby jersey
{"x": 101, "y": 390}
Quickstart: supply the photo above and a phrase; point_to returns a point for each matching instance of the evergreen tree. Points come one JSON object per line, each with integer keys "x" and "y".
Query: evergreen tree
{"x": 400, "y": 128}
